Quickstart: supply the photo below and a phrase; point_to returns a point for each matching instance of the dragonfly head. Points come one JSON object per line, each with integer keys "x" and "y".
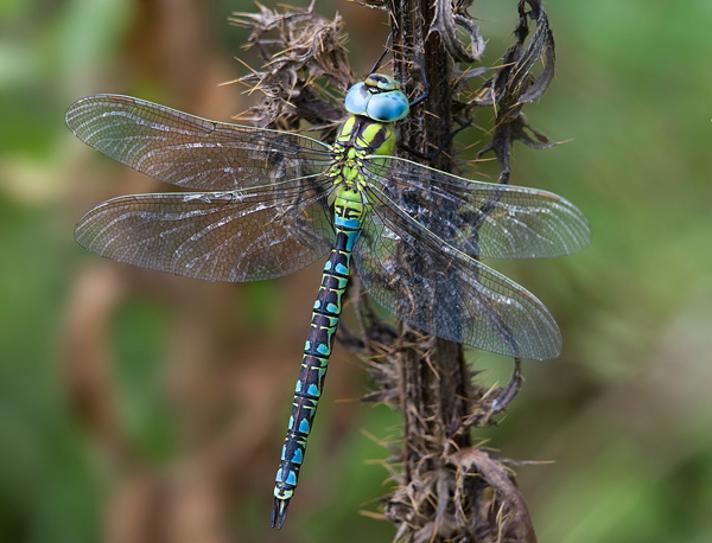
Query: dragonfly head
{"x": 377, "y": 97}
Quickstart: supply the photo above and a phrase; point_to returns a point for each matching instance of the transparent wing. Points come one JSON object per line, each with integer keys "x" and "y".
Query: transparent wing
{"x": 480, "y": 219}
{"x": 436, "y": 288}
{"x": 218, "y": 236}
{"x": 191, "y": 152}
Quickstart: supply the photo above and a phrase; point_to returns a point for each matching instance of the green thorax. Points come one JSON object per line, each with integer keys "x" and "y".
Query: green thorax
{"x": 358, "y": 137}
{"x": 367, "y": 136}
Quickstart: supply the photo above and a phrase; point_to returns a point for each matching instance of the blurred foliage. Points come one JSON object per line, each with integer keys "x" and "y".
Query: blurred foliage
{"x": 625, "y": 412}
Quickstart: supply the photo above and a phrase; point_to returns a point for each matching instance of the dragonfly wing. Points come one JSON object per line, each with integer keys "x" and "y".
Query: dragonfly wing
{"x": 216, "y": 236}
{"x": 480, "y": 219}
{"x": 191, "y": 152}
{"x": 448, "y": 294}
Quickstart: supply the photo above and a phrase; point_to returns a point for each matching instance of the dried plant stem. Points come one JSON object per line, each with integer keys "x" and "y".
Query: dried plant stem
{"x": 447, "y": 490}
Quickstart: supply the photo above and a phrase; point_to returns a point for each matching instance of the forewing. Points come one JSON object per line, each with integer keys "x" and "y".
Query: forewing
{"x": 217, "y": 236}
{"x": 436, "y": 288}
{"x": 480, "y": 219}
{"x": 191, "y": 152}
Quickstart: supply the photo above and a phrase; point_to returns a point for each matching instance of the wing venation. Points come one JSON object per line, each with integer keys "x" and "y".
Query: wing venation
{"x": 191, "y": 152}
{"x": 481, "y": 219}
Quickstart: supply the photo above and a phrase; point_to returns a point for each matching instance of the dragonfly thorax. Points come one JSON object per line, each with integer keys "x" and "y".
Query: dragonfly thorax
{"x": 358, "y": 138}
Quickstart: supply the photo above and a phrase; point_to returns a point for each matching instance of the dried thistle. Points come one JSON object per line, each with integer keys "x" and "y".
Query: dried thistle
{"x": 305, "y": 68}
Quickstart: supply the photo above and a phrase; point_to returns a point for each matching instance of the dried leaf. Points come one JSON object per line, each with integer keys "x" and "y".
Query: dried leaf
{"x": 445, "y": 22}
{"x": 514, "y": 85}
{"x": 306, "y": 68}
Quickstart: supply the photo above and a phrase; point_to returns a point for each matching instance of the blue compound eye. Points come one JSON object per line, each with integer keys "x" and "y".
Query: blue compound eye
{"x": 388, "y": 106}
{"x": 357, "y": 99}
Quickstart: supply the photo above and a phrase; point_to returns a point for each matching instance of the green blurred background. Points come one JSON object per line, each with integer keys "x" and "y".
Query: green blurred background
{"x": 136, "y": 406}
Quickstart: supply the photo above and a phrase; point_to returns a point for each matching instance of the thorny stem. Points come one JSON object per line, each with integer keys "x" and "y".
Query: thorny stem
{"x": 435, "y": 392}
{"x": 439, "y": 495}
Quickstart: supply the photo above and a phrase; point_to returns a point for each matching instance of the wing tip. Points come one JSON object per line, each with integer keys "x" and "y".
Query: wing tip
{"x": 547, "y": 348}
{"x": 71, "y": 114}
{"x": 549, "y": 352}
{"x": 74, "y": 109}
{"x": 582, "y": 239}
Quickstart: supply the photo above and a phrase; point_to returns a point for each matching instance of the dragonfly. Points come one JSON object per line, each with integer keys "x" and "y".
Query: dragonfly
{"x": 258, "y": 203}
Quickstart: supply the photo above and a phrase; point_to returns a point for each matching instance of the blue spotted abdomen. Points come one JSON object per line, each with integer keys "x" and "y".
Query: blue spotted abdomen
{"x": 317, "y": 349}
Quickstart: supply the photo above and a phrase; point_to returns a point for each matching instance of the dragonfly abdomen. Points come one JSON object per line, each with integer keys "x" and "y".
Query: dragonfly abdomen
{"x": 317, "y": 350}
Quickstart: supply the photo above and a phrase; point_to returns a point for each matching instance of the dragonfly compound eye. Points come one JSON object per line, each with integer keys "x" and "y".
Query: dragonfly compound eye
{"x": 357, "y": 99}
{"x": 388, "y": 106}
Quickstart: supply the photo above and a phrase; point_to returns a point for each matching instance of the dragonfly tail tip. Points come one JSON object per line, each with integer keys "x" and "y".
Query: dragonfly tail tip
{"x": 279, "y": 512}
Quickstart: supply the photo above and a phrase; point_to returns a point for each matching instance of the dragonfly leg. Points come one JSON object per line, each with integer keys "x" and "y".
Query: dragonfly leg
{"x": 422, "y": 97}
{"x": 506, "y": 394}
{"x": 429, "y": 157}
{"x": 426, "y": 87}
{"x": 386, "y": 49}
